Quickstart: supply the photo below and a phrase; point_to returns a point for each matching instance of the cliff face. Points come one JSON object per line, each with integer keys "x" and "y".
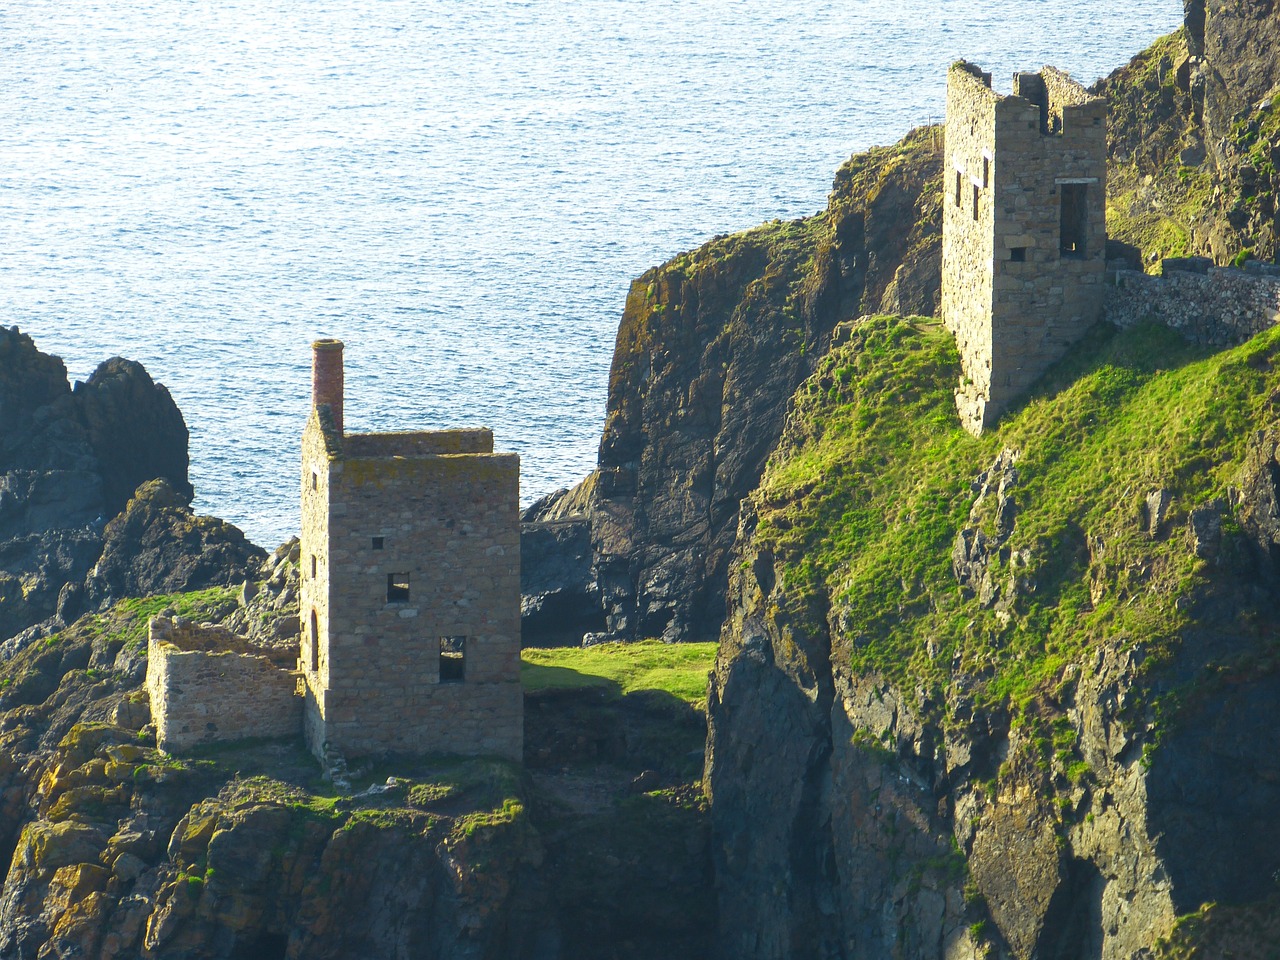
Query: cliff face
{"x": 1005, "y": 697}
{"x": 709, "y": 347}
{"x": 69, "y": 462}
{"x": 1195, "y": 138}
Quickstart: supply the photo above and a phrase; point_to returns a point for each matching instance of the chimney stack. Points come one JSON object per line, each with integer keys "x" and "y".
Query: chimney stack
{"x": 326, "y": 378}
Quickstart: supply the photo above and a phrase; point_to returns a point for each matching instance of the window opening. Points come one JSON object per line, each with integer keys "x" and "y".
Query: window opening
{"x": 313, "y": 655}
{"x": 976, "y": 193}
{"x": 379, "y": 543}
{"x": 315, "y": 480}
{"x": 453, "y": 659}
{"x": 1018, "y": 254}
{"x": 313, "y": 566}
{"x": 959, "y": 185}
{"x": 986, "y": 171}
{"x": 1075, "y": 219}
{"x": 397, "y": 588}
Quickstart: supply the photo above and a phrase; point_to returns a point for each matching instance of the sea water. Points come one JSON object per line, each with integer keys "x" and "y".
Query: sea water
{"x": 461, "y": 191}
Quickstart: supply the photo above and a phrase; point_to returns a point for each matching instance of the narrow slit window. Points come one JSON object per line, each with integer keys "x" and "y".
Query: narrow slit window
{"x": 986, "y": 171}
{"x": 453, "y": 659}
{"x": 1018, "y": 254}
{"x": 397, "y": 588}
{"x": 379, "y": 543}
{"x": 1075, "y": 219}
{"x": 313, "y": 654}
{"x": 977, "y": 193}
{"x": 959, "y": 186}
{"x": 315, "y": 480}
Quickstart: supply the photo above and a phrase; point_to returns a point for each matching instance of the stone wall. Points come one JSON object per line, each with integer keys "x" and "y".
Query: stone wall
{"x": 1211, "y": 306}
{"x": 209, "y": 686}
{"x": 1018, "y": 285}
{"x": 412, "y": 550}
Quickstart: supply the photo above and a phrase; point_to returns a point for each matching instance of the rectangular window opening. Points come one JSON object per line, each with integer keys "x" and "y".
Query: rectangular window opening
{"x": 313, "y": 566}
{"x": 379, "y": 543}
{"x": 453, "y": 659}
{"x": 1018, "y": 254}
{"x": 1075, "y": 219}
{"x": 313, "y": 654}
{"x": 977, "y": 192}
{"x": 315, "y": 480}
{"x": 959, "y": 186}
{"x": 397, "y": 588}
{"x": 986, "y": 171}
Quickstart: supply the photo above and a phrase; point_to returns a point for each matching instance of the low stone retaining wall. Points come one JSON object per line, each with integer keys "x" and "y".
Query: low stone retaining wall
{"x": 1212, "y": 306}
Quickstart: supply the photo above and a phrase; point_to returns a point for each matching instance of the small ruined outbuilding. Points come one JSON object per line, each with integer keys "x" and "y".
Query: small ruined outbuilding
{"x": 1023, "y": 230}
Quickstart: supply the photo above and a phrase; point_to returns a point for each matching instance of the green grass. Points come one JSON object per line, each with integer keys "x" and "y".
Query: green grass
{"x": 678, "y": 669}
{"x": 871, "y": 483}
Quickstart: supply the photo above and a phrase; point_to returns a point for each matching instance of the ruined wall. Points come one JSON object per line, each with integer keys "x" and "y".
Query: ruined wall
{"x": 1016, "y": 290}
{"x": 968, "y": 251}
{"x": 209, "y": 686}
{"x": 1217, "y": 308}
{"x": 411, "y": 550}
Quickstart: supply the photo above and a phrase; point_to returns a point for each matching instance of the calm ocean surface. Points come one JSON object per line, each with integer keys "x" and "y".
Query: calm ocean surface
{"x": 460, "y": 191}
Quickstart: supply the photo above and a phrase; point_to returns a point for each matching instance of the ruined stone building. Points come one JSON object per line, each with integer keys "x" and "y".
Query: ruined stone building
{"x": 410, "y": 597}
{"x": 410, "y": 605}
{"x": 1023, "y": 230}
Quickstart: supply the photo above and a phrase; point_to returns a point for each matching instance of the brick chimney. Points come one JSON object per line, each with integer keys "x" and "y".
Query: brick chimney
{"x": 326, "y": 378}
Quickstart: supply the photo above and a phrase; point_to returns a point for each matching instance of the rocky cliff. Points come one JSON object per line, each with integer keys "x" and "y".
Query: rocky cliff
{"x": 1195, "y": 138}
{"x": 70, "y": 460}
{"x": 1001, "y": 697}
{"x": 709, "y": 348}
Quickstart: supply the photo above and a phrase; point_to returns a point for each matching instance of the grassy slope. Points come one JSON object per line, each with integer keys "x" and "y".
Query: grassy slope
{"x": 873, "y": 479}
{"x": 677, "y": 669}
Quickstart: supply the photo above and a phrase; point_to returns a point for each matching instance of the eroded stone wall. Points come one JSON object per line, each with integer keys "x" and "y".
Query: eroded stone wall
{"x": 1022, "y": 279}
{"x": 208, "y": 686}
{"x": 1218, "y": 308}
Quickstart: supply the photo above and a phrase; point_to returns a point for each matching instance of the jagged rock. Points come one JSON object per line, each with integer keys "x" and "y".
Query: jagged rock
{"x": 1205, "y": 523}
{"x": 134, "y": 429}
{"x": 710, "y": 348}
{"x": 1157, "y": 506}
{"x": 66, "y": 458}
{"x": 559, "y": 596}
{"x": 157, "y": 545}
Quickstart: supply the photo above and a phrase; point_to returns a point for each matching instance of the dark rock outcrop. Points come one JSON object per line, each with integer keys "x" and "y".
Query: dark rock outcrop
{"x": 157, "y": 545}
{"x": 70, "y": 459}
{"x": 134, "y": 429}
{"x": 709, "y": 350}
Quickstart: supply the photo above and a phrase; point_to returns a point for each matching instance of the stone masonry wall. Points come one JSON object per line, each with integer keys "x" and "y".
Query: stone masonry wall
{"x": 1219, "y": 307}
{"x": 208, "y": 686}
{"x": 968, "y": 251}
{"x": 450, "y": 525}
{"x": 1015, "y": 298}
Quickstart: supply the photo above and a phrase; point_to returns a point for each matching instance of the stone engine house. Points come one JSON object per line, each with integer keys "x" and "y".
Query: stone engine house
{"x": 410, "y": 601}
{"x": 1023, "y": 230}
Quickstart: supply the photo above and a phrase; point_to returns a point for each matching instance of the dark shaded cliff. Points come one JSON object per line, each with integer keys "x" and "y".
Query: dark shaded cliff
{"x": 70, "y": 460}
{"x": 709, "y": 348}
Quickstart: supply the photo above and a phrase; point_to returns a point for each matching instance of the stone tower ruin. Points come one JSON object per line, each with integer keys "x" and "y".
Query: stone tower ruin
{"x": 1023, "y": 230}
{"x": 410, "y": 599}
